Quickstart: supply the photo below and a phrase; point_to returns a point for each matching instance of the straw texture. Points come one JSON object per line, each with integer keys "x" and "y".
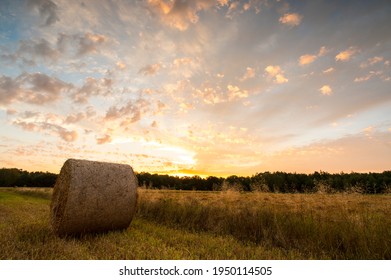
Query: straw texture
{"x": 92, "y": 196}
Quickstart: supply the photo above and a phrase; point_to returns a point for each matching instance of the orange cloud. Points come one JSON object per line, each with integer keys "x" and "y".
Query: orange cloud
{"x": 250, "y": 73}
{"x": 276, "y": 73}
{"x": 322, "y": 51}
{"x": 346, "y": 55}
{"x": 121, "y": 65}
{"x": 180, "y": 14}
{"x": 104, "y": 139}
{"x": 369, "y": 76}
{"x": 68, "y": 135}
{"x": 328, "y": 70}
{"x": 372, "y": 61}
{"x": 307, "y": 59}
{"x": 291, "y": 19}
{"x": 326, "y": 90}
{"x": 235, "y": 92}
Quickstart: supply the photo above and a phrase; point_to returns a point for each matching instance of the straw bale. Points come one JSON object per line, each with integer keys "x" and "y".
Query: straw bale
{"x": 91, "y": 196}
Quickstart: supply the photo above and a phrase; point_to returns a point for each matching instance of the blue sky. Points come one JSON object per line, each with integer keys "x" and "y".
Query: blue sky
{"x": 202, "y": 87}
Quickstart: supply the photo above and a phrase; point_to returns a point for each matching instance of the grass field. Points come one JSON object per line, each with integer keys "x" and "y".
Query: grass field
{"x": 208, "y": 225}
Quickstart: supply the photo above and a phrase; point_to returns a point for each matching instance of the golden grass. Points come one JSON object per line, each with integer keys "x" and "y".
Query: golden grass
{"x": 208, "y": 225}
{"x": 319, "y": 226}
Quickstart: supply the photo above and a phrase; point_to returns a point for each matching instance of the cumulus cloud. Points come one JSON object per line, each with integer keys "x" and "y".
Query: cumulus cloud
{"x": 129, "y": 113}
{"x": 67, "y": 135}
{"x": 30, "y": 50}
{"x": 275, "y": 72}
{"x": 180, "y": 14}
{"x": 232, "y": 8}
{"x": 291, "y": 19}
{"x": 80, "y": 44}
{"x": 250, "y": 73}
{"x": 309, "y": 58}
{"x": 104, "y": 139}
{"x": 44, "y": 89}
{"x": 178, "y": 62}
{"x": 121, "y": 65}
{"x": 47, "y": 10}
{"x": 150, "y": 70}
{"x": 215, "y": 95}
{"x": 328, "y": 70}
{"x": 92, "y": 87}
{"x": 35, "y": 88}
{"x": 326, "y": 90}
{"x": 41, "y": 126}
{"x": 346, "y": 55}
{"x": 209, "y": 95}
{"x": 9, "y": 90}
{"x": 74, "y": 118}
{"x": 370, "y": 75}
{"x": 372, "y": 61}
{"x": 235, "y": 92}
{"x": 322, "y": 51}
{"x": 185, "y": 66}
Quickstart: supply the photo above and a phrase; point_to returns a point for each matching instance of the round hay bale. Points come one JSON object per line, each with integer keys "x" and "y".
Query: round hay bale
{"x": 92, "y": 196}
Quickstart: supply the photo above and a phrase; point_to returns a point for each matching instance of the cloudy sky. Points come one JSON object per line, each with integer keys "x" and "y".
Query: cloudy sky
{"x": 208, "y": 87}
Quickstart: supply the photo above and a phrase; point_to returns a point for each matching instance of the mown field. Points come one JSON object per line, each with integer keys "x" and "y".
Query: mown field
{"x": 208, "y": 225}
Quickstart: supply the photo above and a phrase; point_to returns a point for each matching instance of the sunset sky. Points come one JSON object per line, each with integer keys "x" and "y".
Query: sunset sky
{"x": 209, "y": 87}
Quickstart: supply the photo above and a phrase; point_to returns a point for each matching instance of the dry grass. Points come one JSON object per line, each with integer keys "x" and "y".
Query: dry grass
{"x": 206, "y": 225}
{"x": 25, "y": 234}
{"x": 319, "y": 226}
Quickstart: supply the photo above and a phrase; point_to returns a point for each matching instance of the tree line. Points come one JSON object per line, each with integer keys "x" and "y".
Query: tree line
{"x": 276, "y": 182}
{"x": 13, "y": 177}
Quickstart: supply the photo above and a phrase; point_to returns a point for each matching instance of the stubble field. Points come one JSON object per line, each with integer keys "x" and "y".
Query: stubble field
{"x": 208, "y": 225}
